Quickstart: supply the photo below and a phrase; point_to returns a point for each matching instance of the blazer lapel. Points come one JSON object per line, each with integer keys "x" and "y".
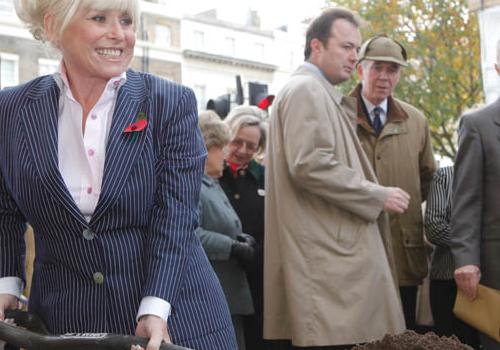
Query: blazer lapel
{"x": 40, "y": 120}
{"x": 123, "y": 149}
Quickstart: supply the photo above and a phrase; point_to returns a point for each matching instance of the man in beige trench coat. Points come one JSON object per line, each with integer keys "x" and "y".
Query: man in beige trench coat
{"x": 328, "y": 281}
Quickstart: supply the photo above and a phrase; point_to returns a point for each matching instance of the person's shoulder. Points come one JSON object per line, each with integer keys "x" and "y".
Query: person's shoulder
{"x": 411, "y": 110}
{"x": 301, "y": 86}
{"x": 39, "y": 83}
{"x": 159, "y": 86}
{"x": 484, "y": 114}
{"x": 35, "y": 88}
{"x": 257, "y": 170}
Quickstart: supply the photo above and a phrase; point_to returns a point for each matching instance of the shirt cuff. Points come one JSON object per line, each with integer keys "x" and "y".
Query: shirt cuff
{"x": 154, "y": 306}
{"x": 11, "y": 285}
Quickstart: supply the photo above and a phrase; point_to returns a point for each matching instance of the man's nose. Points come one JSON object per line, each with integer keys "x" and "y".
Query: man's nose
{"x": 354, "y": 55}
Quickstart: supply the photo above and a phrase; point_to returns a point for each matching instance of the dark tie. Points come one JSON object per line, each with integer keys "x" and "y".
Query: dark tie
{"x": 377, "y": 123}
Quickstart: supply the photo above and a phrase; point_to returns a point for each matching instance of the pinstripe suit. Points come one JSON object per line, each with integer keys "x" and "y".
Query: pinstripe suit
{"x": 141, "y": 236}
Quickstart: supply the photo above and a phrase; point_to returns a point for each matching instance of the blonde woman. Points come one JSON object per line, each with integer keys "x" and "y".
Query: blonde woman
{"x": 105, "y": 163}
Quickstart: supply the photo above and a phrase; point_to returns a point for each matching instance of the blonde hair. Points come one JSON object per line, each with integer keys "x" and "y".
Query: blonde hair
{"x": 32, "y": 12}
{"x": 214, "y": 131}
{"x": 243, "y": 116}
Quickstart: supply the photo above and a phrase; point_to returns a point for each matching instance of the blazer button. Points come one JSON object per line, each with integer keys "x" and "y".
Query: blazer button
{"x": 88, "y": 234}
{"x": 98, "y": 278}
{"x": 236, "y": 196}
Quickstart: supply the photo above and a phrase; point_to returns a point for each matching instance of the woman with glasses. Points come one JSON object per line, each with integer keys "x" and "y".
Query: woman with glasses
{"x": 243, "y": 183}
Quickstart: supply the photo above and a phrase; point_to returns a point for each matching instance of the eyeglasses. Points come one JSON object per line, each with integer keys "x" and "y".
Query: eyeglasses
{"x": 250, "y": 146}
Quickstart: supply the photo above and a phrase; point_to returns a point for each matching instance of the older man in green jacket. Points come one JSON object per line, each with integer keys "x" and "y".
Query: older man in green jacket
{"x": 396, "y": 138}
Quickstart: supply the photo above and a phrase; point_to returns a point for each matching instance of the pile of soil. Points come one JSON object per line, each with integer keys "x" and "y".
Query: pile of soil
{"x": 411, "y": 340}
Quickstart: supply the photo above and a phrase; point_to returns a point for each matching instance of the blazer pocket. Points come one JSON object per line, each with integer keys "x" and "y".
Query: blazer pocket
{"x": 415, "y": 251}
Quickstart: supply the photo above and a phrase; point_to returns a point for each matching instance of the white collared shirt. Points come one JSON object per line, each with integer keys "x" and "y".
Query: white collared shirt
{"x": 370, "y": 107}
{"x": 81, "y": 164}
{"x": 81, "y": 159}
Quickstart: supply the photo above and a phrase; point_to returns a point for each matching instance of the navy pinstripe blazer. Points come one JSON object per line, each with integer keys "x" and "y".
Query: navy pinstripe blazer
{"x": 141, "y": 236}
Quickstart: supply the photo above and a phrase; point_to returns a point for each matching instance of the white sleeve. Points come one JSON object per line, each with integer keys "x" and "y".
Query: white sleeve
{"x": 154, "y": 306}
{"x": 11, "y": 285}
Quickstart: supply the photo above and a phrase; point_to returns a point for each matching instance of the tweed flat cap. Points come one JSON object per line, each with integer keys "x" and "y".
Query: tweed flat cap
{"x": 383, "y": 48}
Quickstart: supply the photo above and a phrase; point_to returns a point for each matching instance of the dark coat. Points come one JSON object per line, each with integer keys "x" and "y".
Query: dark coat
{"x": 245, "y": 190}
{"x": 475, "y": 214}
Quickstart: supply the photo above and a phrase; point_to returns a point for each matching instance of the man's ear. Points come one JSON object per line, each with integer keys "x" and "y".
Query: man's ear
{"x": 359, "y": 69}
{"x": 497, "y": 68}
{"x": 316, "y": 45}
{"x": 49, "y": 24}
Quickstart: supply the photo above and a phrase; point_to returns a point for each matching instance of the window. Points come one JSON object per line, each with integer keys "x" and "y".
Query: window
{"x": 259, "y": 51}
{"x": 47, "y": 66}
{"x": 163, "y": 35}
{"x": 199, "y": 40}
{"x": 9, "y": 70}
{"x": 230, "y": 46}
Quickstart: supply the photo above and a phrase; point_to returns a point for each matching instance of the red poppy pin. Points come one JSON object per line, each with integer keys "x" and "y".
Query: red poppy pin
{"x": 266, "y": 102}
{"x": 140, "y": 124}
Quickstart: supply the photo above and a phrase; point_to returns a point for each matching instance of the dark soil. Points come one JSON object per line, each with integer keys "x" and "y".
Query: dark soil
{"x": 410, "y": 340}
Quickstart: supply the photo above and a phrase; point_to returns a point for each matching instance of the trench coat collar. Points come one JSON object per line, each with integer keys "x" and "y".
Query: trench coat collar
{"x": 395, "y": 112}
{"x": 347, "y": 103}
{"x": 306, "y": 69}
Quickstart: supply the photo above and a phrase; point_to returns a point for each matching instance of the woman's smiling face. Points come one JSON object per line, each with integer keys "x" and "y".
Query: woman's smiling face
{"x": 98, "y": 44}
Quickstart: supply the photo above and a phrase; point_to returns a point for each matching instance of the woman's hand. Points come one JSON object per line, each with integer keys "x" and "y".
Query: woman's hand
{"x": 7, "y": 301}
{"x": 155, "y": 329}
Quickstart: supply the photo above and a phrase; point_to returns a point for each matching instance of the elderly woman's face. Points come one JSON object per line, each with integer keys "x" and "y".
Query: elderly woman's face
{"x": 98, "y": 44}
{"x": 215, "y": 162}
{"x": 243, "y": 146}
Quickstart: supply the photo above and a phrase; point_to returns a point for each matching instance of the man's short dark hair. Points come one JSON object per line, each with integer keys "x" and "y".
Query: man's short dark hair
{"x": 320, "y": 27}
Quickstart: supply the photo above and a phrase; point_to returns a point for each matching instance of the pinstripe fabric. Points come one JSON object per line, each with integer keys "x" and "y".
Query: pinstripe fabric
{"x": 144, "y": 221}
{"x": 438, "y": 225}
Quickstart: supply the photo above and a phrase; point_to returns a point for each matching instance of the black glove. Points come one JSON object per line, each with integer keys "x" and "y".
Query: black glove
{"x": 243, "y": 252}
{"x": 245, "y": 238}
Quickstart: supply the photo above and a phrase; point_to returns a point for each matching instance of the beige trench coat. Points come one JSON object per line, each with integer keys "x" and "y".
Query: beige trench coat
{"x": 327, "y": 275}
{"x": 402, "y": 157}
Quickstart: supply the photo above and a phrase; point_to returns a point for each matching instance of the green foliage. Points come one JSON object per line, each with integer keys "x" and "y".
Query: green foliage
{"x": 443, "y": 45}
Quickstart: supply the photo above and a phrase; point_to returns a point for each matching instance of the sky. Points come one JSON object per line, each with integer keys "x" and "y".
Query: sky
{"x": 273, "y": 13}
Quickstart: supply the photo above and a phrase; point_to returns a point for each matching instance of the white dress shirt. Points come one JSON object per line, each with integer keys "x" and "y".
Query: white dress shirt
{"x": 81, "y": 164}
{"x": 370, "y": 107}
